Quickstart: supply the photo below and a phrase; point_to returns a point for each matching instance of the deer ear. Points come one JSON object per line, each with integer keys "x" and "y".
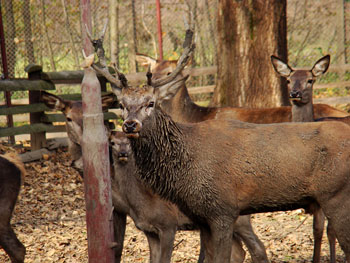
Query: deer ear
{"x": 145, "y": 61}
{"x": 52, "y": 101}
{"x": 280, "y": 67}
{"x": 321, "y": 66}
{"x": 167, "y": 91}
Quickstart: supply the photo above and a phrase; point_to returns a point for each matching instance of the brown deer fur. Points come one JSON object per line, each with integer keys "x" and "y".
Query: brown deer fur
{"x": 12, "y": 171}
{"x": 159, "y": 219}
{"x": 245, "y": 168}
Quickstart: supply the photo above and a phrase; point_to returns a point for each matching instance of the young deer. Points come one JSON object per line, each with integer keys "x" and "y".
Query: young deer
{"x": 72, "y": 110}
{"x": 182, "y": 109}
{"x": 160, "y": 219}
{"x": 246, "y": 169}
{"x": 11, "y": 174}
{"x": 300, "y": 84}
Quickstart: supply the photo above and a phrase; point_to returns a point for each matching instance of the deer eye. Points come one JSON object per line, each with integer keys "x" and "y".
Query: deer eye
{"x": 69, "y": 119}
{"x": 112, "y": 143}
{"x": 310, "y": 81}
{"x": 121, "y": 106}
{"x": 288, "y": 81}
{"x": 150, "y": 105}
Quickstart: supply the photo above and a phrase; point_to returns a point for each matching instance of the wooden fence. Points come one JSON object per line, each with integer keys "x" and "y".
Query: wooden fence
{"x": 41, "y": 123}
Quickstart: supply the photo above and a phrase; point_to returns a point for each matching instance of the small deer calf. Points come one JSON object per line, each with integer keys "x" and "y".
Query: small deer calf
{"x": 73, "y": 111}
{"x": 11, "y": 173}
{"x": 160, "y": 219}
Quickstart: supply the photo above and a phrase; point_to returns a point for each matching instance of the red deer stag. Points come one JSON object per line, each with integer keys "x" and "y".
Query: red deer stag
{"x": 255, "y": 246}
{"x": 160, "y": 219}
{"x": 246, "y": 169}
{"x": 182, "y": 109}
{"x": 300, "y": 84}
{"x": 11, "y": 175}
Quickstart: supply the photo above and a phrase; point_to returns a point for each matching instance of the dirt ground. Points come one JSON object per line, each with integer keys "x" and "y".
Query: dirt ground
{"x": 49, "y": 220}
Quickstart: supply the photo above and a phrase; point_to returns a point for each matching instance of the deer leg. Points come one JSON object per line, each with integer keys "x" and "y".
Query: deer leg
{"x": 256, "y": 248}
{"x": 154, "y": 247}
{"x": 221, "y": 239}
{"x": 8, "y": 239}
{"x": 237, "y": 252}
{"x": 166, "y": 245}
{"x": 337, "y": 212}
{"x": 331, "y": 240}
{"x": 318, "y": 226}
{"x": 206, "y": 245}
{"x": 119, "y": 225}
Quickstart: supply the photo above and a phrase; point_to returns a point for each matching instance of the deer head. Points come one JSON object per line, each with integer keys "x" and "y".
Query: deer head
{"x": 73, "y": 111}
{"x": 159, "y": 68}
{"x": 121, "y": 148}
{"x": 300, "y": 82}
{"x": 139, "y": 103}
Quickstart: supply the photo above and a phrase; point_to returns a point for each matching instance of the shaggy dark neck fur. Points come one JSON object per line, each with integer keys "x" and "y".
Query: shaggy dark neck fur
{"x": 161, "y": 156}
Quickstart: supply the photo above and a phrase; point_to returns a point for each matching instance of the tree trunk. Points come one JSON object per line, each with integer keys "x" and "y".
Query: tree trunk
{"x": 10, "y": 34}
{"x": 28, "y": 31}
{"x": 249, "y": 32}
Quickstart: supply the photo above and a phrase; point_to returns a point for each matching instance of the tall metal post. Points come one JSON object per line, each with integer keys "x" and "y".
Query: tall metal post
{"x": 97, "y": 180}
{"x": 160, "y": 33}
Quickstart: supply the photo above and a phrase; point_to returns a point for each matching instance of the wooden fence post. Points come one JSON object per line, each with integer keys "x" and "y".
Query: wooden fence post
{"x": 97, "y": 181}
{"x": 38, "y": 139}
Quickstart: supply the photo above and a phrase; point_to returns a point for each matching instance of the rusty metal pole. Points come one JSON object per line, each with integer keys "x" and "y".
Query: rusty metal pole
{"x": 97, "y": 181}
{"x": 6, "y": 74}
{"x": 160, "y": 33}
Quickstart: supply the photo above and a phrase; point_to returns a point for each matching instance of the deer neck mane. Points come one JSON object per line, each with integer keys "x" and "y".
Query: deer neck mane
{"x": 161, "y": 156}
{"x": 302, "y": 112}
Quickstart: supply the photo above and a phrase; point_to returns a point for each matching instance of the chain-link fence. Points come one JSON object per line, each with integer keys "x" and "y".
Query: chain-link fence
{"x": 48, "y": 32}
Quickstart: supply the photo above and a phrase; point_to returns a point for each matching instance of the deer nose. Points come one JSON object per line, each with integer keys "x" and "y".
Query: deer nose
{"x": 295, "y": 94}
{"x": 131, "y": 126}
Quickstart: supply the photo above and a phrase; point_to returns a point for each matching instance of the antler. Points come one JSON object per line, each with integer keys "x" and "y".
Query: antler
{"x": 98, "y": 46}
{"x": 189, "y": 46}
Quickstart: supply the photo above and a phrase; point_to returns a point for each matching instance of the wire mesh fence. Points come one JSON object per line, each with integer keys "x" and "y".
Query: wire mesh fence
{"x": 48, "y": 32}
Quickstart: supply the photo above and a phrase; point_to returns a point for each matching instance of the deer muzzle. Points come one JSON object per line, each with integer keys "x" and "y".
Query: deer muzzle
{"x": 132, "y": 128}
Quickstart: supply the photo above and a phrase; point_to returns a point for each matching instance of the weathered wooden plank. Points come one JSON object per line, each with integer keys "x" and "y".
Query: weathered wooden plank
{"x": 333, "y": 100}
{"x": 55, "y": 117}
{"x": 36, "y": 107}
{"x": 26, "y": 129}
{"x": 24, "y": 85}
{"x": 332, "y": 85}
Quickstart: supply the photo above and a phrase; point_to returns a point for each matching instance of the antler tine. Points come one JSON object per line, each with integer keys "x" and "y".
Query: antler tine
{"x": 149, "y": 75}
{"x": 182, "y": 62}
{"x": 121, "y": 76}
{"x": 104, "y": 72}
{"x": 104, "y": 30}
{"x": 88, "y": 33}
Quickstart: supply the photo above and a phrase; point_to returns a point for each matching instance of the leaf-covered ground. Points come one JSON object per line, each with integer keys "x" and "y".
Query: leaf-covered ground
{"x": 49, "y": 219}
